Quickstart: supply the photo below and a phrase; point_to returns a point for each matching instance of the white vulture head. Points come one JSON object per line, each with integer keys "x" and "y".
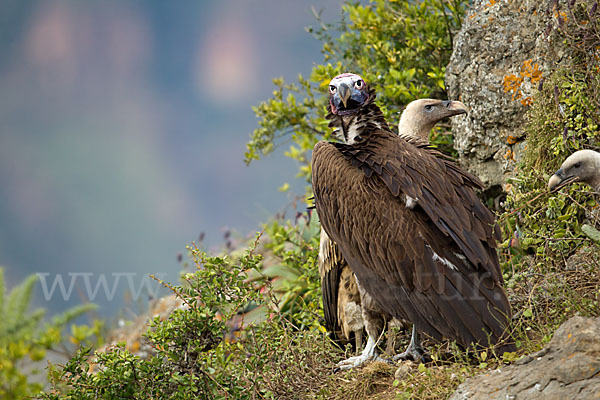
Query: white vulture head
{"x": 581, "y": 166}
{"x": 420, "y": 116}
{"x": 347, "y": 93}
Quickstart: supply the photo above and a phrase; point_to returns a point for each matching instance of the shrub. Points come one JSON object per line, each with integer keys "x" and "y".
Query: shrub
{"x": 200, "y": 353}
{"x": 25, "y": 339}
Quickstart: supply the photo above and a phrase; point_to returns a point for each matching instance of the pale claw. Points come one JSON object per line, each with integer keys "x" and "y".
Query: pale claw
{"x": 352, "y": 362}
{"x": 368, "y": 354}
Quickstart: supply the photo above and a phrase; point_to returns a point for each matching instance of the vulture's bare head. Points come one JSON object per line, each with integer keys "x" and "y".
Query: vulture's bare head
{"x": 420, "y": 116}
{"x": 582, "y": 166}
{"x": 347, "y": 94}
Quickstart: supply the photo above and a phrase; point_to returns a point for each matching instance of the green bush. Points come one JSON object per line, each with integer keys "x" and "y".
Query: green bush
{"x": 200, "y": 351}
{"x": 291, "y": 273}
{"x": 25, "y": 339}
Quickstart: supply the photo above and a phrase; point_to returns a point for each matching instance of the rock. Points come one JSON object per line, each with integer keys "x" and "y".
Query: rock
{"x": 489, "y": 51}
{"x": 591, "y": 232}
{"x": 403, "y": 370}
{"x": 585, "y": 258}
{"x": 567, "y": 368}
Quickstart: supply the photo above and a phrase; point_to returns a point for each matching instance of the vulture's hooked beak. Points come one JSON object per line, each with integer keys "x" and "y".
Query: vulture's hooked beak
{"x": 347, "y": 100}
{"x": 455, "y": 107}
{"x": 559, "y": 179}
{"x": 344, "y": 92}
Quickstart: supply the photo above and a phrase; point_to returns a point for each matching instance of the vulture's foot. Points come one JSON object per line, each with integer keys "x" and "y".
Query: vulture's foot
{"x": 368, "y": 354}
{"x": 356, "y": 361}
{"x": 415, "y": 351}
{"x": 416, "y": 354}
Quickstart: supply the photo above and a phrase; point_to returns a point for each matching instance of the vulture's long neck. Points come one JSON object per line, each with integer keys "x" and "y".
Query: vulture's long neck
{"x": 357, "y": 128}
{"x": 409, "y": 127}
{"x": 595, "y": 181}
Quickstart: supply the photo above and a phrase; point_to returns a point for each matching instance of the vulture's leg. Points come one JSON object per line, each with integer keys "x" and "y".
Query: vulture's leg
{"x": 374, "y": 321}
{"x": 391, "y": 340}
{"x": 358, "y": 338}
{"x": 369, "y": 353}
{"x": 414, "y": 351}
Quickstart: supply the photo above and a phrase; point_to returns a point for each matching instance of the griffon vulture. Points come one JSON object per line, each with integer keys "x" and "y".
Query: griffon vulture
{"x": 420, "y": 116}
{"x": 341, "y": 300}
{"x": 409, "y": 225}
{"x": 581, "y": 166}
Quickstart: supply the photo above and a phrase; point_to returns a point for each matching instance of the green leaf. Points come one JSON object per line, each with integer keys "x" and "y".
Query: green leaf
{"x": 591, "y": 232}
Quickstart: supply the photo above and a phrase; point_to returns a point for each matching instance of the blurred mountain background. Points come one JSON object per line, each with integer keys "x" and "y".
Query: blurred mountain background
{"x": 123, "y": 127}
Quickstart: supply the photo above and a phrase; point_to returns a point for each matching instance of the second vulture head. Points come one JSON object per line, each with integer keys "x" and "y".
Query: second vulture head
{"x": 420, "y": 116}
{"x": 582, "y": 166}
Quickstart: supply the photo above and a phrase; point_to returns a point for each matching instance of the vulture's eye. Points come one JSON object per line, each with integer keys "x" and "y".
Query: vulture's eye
{"x": 359, "y": 84}
{"x": 428, "y": 107}
{"x": 332, "y": 89}
{"x": 577, "y": 164}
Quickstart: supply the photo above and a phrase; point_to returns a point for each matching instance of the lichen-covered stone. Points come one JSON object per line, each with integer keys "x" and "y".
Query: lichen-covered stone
{"x": 501, "y": 54}
{"x": 567, "y": 368}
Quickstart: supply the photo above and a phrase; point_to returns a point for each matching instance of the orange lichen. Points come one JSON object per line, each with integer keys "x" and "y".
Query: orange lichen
{"x": 531, "y": 71}
{"x": 512, "y": 83}
{"x": 512, "y": 140}
{"x": 509, "y": 155}
{"x": 560, "y": 14}
{"x": 527, "y": 101}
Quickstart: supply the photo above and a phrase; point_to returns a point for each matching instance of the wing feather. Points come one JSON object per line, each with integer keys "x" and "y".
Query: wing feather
{"x": 330, "y": 272}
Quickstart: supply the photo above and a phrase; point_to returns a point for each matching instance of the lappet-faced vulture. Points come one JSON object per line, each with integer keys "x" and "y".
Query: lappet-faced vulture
{"x": 581, "y": 166}
{"x": 346, "y": 310}
{"x": 409, "y": 225}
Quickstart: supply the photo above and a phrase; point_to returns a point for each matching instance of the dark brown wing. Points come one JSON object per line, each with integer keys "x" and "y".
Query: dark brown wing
{"x": 330, "y": 270}
{"x": 435, "y": 264}
{"x": 443, "y": 190}
{"x": 339, "y": 289}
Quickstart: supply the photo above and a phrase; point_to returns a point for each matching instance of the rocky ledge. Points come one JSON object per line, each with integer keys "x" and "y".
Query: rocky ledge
{"x": 567, "y": 368}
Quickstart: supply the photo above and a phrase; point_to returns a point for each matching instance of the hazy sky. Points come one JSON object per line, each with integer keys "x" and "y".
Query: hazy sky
{"x": 123, "y": 127}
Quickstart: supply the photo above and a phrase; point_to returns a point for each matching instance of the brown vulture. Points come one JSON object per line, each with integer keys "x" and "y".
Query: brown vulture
{"x": 581, "y": 166}
{"x": 344, "y": 316}
{"x": 409, "y": 225}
